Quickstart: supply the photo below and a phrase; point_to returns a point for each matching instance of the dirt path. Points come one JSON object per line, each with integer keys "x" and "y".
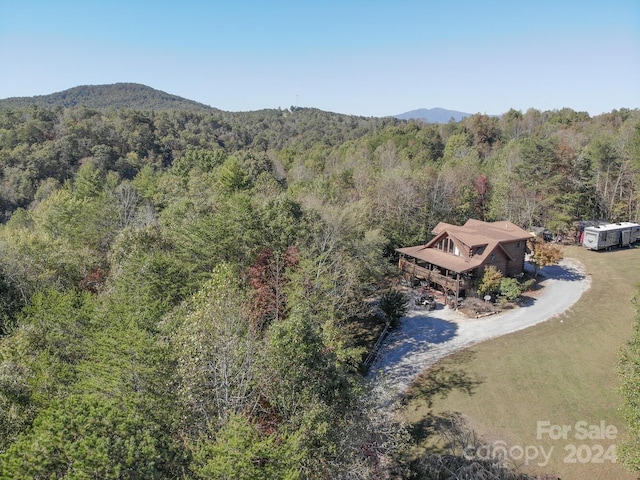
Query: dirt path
{"x": 424, "y": 337}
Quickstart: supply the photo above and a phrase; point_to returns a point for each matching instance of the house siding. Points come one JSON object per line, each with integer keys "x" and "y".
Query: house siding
{"x": 517, "y": 251}
{"x": 500, "y": 262}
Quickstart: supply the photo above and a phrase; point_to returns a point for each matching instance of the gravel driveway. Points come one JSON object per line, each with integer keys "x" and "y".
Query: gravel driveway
{"x": 424, "y": 337}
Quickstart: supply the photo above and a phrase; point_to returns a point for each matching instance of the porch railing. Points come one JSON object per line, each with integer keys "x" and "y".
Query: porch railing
{"x": 432, "y": 276}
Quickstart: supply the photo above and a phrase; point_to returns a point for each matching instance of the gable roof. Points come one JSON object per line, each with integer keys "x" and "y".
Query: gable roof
{"x": 476, "y": 241}
{"x": 477, "y": 232}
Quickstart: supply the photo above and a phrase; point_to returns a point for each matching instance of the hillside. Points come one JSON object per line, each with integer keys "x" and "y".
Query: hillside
{"x": 141, "y": 97}
{"x": 266, "y": 128}
{"x": 433, "y": 115}
{"x": 117, "y": 96}
{"x": 185, "y": 281}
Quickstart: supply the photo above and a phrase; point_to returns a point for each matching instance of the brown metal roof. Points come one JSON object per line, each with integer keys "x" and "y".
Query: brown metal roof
{"x": 442, "y": 259}
{"x": 483, "y": 238}
{"x": 502, "y": 231}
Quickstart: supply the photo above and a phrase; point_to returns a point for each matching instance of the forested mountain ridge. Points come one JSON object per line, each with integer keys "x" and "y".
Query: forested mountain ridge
{"x": 116, "y": 96}
{"x": 177, "y": 288}
{"x": 141, "y": 97}
{"x": 433, "y": 115}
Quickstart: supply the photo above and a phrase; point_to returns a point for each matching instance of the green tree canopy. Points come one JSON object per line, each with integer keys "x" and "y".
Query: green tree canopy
{"x": 85, "y": 436}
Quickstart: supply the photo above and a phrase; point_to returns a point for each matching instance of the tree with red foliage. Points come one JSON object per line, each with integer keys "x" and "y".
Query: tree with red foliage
{"x": 268, "y": 278}
{"x": 482, "y": 194}
{"x": 93, "y": 281}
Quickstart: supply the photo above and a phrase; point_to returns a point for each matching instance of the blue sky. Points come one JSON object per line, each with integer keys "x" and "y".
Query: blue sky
{"x": 370, "y": 58}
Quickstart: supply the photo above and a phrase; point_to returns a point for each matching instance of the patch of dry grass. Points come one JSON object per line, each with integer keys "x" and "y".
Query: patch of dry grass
{"x": 562, "y": 371}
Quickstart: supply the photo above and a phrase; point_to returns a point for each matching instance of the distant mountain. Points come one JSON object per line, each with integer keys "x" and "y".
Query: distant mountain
{"x": 141, "y": 97}
{"x": 99, "y": 97}
{"x": 433, "y": 115}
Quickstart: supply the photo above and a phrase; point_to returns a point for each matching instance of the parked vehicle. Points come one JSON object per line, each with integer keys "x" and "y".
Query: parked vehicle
{"x": 612, "y": 235}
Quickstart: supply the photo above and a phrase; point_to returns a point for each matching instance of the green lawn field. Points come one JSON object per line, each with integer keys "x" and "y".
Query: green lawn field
{"x": 553, "y": 386}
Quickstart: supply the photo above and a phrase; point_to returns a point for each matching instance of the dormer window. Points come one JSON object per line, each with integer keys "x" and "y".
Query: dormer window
{"x": 447, "y": 245}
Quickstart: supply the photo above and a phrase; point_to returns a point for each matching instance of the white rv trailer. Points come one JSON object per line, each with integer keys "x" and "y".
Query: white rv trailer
{"x": 611, "y": 235}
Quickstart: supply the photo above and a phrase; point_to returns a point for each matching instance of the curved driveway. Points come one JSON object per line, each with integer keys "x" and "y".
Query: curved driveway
{"x": 424, "y": 337}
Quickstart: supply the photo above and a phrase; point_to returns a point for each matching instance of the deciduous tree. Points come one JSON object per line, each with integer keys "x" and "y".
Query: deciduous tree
{"x": 217, "y": 354}
{"x": 543, "y": 254}
{"x": 490, "y": 281}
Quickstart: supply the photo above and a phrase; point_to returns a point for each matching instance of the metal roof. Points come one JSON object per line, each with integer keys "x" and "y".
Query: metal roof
{"x": 612, "y": 227}
{"x": 483, "y": 238}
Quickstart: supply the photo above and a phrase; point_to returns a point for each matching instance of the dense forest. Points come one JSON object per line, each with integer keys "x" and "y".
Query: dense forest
{"x": 177, "y": 286}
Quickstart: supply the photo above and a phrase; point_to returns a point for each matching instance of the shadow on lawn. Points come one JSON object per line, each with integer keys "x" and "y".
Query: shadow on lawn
{"x": 438, "y": 382}
{"x": 447, "y": 427}
{"x": 462, "y": 453}
{"x": 443, "y": 378}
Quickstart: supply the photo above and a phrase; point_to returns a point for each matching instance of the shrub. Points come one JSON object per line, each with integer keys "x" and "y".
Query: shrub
{"x": 394, "y": 304}
{"x": 510, "y": 288}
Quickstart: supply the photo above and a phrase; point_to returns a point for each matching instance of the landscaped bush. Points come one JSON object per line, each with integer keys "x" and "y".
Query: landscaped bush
{"x": 394, "y": 304}
{"x": 510, "y": 288}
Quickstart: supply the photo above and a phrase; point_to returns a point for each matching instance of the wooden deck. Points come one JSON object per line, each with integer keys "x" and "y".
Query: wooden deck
{"x": 444, "y": 281}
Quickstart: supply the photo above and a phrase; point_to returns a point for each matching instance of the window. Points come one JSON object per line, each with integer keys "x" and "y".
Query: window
{"x": 448, "y": 245}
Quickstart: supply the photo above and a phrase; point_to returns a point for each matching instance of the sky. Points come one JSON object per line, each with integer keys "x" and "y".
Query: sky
{"x": 359, "y": 57}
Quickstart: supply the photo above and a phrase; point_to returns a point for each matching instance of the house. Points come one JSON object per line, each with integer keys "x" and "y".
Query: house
{"x": 459, "y": 254}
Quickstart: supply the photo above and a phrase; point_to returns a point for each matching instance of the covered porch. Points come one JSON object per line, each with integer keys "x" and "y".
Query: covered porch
{"x": 452, "y": 283}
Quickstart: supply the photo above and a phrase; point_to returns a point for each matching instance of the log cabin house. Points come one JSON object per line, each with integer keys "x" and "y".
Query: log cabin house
{"x": 458, "y": 255}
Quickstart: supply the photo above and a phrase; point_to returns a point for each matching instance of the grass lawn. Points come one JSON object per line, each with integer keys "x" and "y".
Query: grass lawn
{"x": 562, "y": 371}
